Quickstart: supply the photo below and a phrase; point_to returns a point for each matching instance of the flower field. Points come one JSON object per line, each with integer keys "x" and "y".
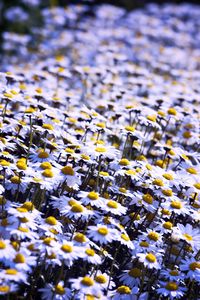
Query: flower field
{"x": 100, "y": 154}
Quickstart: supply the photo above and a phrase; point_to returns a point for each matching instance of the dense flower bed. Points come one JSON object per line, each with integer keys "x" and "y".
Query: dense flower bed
{"x": 99, "y": 161}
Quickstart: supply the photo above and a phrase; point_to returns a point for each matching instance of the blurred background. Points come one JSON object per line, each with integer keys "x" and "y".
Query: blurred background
{"x": 20, "y": 16}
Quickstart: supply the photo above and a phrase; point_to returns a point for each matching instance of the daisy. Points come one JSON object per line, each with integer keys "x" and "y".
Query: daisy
{"x": 171, "y": 289}
{"x": 192, "y": 267}
{"x": 93, "y": 198}
{"x": 41, "y": 155}
{"x": 6, "y": 250}
{"x": 150, "y": 260}
{"x": 16, "y": 184}
{"x": 70, "y": 175}
{"x": 102, "y": 234}
{"x": 125, "y": 240}
{"x": 96, "y": 151}
{"x": 23, "y": 261}
{"x": 124, "y": 292}
{"x": 131, "y": 277}
{"x": 55, "y": 292}
{"x": 51, "y": 223}
{"x": 188, "y": 234}
{"x": 176, "y": 205}
{"x": 6, "y": 288}
{"x": 89, "y": 255}
{"x": 172, "y": 275}
{"x": 102, "y": 279}
{"x": 114, "y": 207}
{"x": 86, "y": 285}
{"x": 23, "y": 232}
{"x": 69, "y": 252}
{"x": 77, "y": 211}
{"x": 13, "y": 275}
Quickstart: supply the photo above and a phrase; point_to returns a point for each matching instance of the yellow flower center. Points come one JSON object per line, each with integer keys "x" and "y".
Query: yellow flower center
{"x": 2, "y": 245}
{"x": 100, "y": 149}
{"x": 158, "y": 182}
{"x": 15, "y": 179}
{"x": 194, "y": 265}
{"x": 130, "y": 172}
{"x": 147, "y": 198}
{"x": 187, "y": 134}
{"x": 45, "y": 165}
{"x": 36, "y": 179}
{"x": 112, "y": 204}
{"x": 67, "y": 170}
{"x": 168, "y": 225}
{"x": 80, "y": 237}
{"x": 19, "y": 259}
{"x": 153, "y": 236}
{"x": 123, "y": 289}
{"x": 51, "y": 256}
{"x": 87, "y": 281}
{"x": 67, "y": 248}
{"x": 191, "y": 171}
{"x": 151, "y": 118}
{"x": 43, "y": 154}
{"x": 151, "y": 258}
{"x": 101, "y": 125}
{"x": 100, "y": 279}
{"x": 72, "y": 202}
{"x": 103, "y": 173}
{"x": 77, "y": 208}
{"x": 176, "y": 204}
{"x": 85, "y": 157}
{"x": 172, "y": 111}
{"x": 11, "y": 272}
{"x": 4, "y": 163}
{"x": 8, "y": 95}
{"x": 38, "y": 90}
{"x": 144, "y": 244}
{"x": 174, "y": 273}
{"x": 197, "y": 185}
{"x": 5, "y": 153}
{"x": 168, "y": 176}
{"x": 125, "y": 237}
{"x": 4, "y": 222}
{"x": 130, "y": 128}
{"x": 124, "y": 162}
{"x": 90, "y": 252}
{"x": 123, "y": 190}
{"x": 102, "y": 230}
{"x": 171, "y": 286}
{"x": 47, "y": 241}
{"x": 135, "y": 272}
{"x": 48, "y": 126}
{"x": 28, "y": 205}
{"x": 59, "y": 289}
{"x": 24, "y": 220}
{"x": 21, "y": 164}
{"x": 51, "y": 220}
{"x": 69, "y": 150}
{"x": 48, "y": 173}
{"x": 141, "y": 158}
{"x": 30, "y": 110}
{"x": 93, "y": 196}
{"x": 167, "y": 193}
{"x": 4, "y": 288}
{"x": 23, "y": 229}
{"x": 22, "y": 210}
{"x": 188, "y": 237}
{"x": 90, "y": 297}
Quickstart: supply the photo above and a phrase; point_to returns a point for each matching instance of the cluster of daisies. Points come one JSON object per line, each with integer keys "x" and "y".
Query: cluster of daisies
{"x": 100, "y": 156}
